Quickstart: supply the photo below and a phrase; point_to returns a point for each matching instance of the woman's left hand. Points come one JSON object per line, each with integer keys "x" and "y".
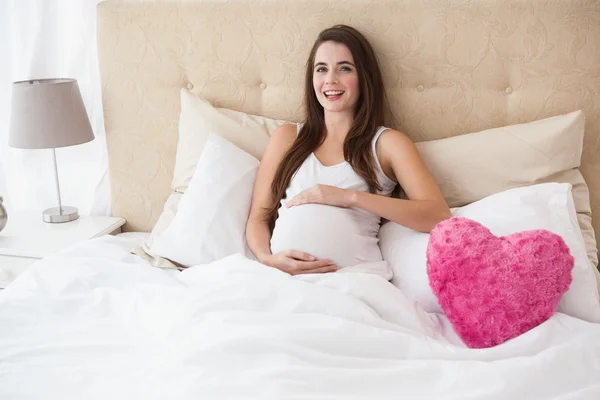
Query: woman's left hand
{"x": 323, "y": 194}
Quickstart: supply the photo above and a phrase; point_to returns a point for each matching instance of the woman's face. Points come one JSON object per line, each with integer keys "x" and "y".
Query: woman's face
{"x": 335, "y": 79}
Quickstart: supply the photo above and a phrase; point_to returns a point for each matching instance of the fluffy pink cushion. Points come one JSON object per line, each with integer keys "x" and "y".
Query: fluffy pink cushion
{"x": 493, "y": 289}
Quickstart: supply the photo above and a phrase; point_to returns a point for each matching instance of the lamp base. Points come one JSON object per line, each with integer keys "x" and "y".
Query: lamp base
{"x": 54, "y": 215}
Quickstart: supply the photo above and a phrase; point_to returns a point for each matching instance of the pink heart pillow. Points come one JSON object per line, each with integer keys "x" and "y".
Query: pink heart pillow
{"x": 491, "y": 288}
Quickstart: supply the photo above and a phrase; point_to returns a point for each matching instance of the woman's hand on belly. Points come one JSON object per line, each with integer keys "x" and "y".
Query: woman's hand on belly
{"x": 324, "y": 194}
{"x": 297, "y": 262}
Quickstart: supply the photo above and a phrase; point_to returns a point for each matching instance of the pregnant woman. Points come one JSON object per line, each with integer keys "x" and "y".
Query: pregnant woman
{"x": 323, "y": 185}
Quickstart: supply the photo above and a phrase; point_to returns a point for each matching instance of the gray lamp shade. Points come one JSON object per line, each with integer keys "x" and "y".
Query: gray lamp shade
{"x": 48, "y": 113}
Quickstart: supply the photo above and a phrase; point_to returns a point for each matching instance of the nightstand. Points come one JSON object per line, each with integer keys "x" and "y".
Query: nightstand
{"x": 27, "y": 238}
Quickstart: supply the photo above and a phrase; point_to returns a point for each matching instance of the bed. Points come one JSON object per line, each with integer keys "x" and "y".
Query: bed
{"x": 498, "y": 96}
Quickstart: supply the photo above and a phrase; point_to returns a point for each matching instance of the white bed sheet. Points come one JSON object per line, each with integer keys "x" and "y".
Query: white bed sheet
{"x": 96, "y": 322}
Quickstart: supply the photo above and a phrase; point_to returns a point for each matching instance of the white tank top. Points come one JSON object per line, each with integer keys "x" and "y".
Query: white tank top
{"x": 347, "y": 236}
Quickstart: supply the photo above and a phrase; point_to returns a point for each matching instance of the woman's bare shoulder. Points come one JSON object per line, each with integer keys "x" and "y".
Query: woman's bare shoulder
{"x": 286, "y": 131}
{"x": 394, "y": 147}
{"x": 284, "y": 136}
{"x": 395, "y": 136}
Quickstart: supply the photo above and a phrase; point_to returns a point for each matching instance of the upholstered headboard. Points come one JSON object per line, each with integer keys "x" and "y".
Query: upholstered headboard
{"x": 450, "y": 67}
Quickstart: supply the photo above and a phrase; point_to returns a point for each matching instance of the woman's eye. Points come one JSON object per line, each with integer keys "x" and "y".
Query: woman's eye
{"x": 321, "y": 69}
{"x": 346, "y": 69}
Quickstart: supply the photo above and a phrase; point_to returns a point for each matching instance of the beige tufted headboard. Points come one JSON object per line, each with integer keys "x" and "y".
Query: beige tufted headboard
{"x": 450, "y": 66}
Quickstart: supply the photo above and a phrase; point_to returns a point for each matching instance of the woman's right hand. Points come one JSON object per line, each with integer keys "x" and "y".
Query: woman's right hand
{"x": 297, "y": 262}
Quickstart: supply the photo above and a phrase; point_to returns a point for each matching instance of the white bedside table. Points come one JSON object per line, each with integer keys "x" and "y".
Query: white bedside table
{"x": 27, "y": 238}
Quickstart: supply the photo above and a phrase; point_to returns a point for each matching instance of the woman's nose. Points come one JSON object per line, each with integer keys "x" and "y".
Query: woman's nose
{"x": 331, "y": 78}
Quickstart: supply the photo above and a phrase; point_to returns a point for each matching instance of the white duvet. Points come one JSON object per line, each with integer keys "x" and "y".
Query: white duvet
{"x": 98, "y": 323}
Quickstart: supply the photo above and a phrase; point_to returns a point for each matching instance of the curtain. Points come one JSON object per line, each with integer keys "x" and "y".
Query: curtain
{"x": 52, "y": 39}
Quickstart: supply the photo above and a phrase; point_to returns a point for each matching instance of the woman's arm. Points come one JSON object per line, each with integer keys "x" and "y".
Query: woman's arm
{"x": 400, "y": 160}
{"x": 419, "y": 215}
{"x": 258, "y": 235}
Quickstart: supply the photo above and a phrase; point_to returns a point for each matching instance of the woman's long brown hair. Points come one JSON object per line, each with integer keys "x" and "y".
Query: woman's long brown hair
{"x": 368, "y": 116}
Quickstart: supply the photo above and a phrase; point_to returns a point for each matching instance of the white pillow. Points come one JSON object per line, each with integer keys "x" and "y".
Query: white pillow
{"x": 197, "y": 120}
{"x": 212, "y": 213}
{"x": 545, "y": 206}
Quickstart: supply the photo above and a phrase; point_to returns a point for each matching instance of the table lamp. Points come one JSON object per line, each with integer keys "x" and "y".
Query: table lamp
{"x": 46, "y": 114}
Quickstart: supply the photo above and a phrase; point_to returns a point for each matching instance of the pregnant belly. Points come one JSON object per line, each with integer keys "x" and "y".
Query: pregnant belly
{"x": 342, "y": 235}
